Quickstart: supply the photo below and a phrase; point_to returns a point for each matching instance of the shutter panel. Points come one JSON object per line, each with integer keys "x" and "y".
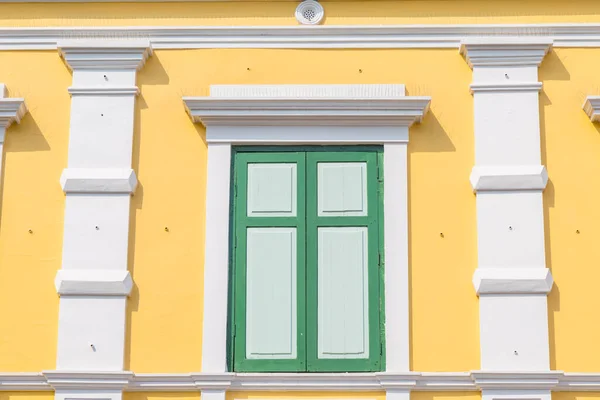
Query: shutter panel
{"x": 269, "y": 262}
{"x": 342, "y": 264}
{"x": 271, "y": 298}
{"x": 343, "y": 301}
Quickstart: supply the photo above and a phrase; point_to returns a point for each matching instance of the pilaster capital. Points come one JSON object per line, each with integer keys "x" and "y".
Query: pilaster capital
{"x": 505, "y": 51}
{"x": 11, "y": 110}
{"x": 592, "y": 107}
{"x": 105, "y": 53}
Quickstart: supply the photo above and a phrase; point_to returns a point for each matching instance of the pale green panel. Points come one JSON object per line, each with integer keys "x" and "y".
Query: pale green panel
{"x": 343, "y": 317}
{"x": 271, "y": 293}
{"x": 342, "y": 189}
{"x": 272, "y": 190}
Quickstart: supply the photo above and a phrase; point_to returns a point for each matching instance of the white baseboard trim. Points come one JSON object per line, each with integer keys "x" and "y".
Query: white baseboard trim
{"x": 195, "y": 382}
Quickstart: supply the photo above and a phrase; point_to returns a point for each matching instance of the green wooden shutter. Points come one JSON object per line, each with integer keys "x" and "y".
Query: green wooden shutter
{"x": 269, "y": 262}
{"x": 343, "y": 332}
{"x": 307, "y": 267}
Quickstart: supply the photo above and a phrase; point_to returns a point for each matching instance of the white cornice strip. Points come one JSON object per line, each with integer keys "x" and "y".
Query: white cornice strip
{"x": 306, "y": 37}
{"x": 104, "y": 91}
{"x": 113, "y": 53}
{"x": 11, "y": 110}
{"x": 392, "y": 111}
{"x": 194, "y": 382}
{"x": 506, "y": 87}
{"x": 370, "y": 91}
{"x": 592, "y": 107}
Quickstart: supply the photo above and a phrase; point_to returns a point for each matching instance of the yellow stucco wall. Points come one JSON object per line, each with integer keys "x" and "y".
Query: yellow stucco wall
{"x": 164, "y": 326}
{"x": 282, "y": 13}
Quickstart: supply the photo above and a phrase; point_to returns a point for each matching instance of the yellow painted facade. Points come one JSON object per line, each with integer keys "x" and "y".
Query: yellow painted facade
{"x": 167, "y": 223}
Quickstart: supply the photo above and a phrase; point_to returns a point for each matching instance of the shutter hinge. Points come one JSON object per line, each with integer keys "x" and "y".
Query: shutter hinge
{"x": 381, "y": 348}
{"x": 379, "y": 259}
{"x": 379, "y": 176}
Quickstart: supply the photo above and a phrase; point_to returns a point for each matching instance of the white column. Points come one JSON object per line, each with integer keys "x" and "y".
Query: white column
{"x": 94, "y": 282}
{"x": 11, "y": 110}
{"x": 512, "y": 280}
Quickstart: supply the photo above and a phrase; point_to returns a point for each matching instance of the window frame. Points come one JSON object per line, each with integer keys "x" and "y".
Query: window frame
{"x": 307, "y": 357}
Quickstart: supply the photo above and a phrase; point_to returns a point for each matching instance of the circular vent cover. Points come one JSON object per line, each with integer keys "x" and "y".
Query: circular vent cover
{"x": 309, "y": 12}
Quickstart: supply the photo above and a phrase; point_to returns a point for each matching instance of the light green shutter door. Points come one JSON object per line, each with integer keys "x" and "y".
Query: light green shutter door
{"x": 269, "y": 257}
{"x": 343, "y": 262}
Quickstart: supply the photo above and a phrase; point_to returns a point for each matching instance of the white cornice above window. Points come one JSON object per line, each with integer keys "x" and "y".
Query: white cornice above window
{"x": 234, "y": 112}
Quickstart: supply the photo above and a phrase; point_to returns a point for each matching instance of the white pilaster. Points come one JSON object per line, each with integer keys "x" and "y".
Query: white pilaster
{"x": 11, "y": 110}
{"x": 511, "y": 279}
{"x": 94, "y": 281}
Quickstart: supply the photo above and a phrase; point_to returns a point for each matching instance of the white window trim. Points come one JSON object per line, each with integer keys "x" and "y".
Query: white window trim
{"x": 311, "y": 114}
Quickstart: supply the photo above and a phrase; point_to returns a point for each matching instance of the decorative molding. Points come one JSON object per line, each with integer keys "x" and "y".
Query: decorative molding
{"x": 512, "y": 281}
{"x": 98, "y": 180}
{"x": 308, "y": 37}
{"x": 592, "y": 107}
{"x": 76, "y": 380}
{"x": 309, "y": 12}
{"x": 119, "y": 54}
{"x": 11, "y": 110}
{"x": 307, "y": 112}
{"x": 335, "y": 91}
{"x": 508, "y": 177}
{"x": 104, "y": 91}
{"x": 93, "y": 282}
{"x": 507, "y": 51}
{"x": 194, "y": 382}
{"x": 521, "y": 380}
{"x": 506, "y": 87}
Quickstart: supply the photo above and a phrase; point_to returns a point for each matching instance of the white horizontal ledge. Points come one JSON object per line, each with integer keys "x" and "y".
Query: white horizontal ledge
{"x": 93, "y": 282}
{"x": 306, "y": 37}
{"x": 522, "y": 380}
{"x": 508, "y": 178}
{"x": 11, "y": 110}
{"x": 508, "y": 87}
{"x": 592, "y": 107}
{"x": 393, "y": 111}
{"x": 98, "y": 180}
{"x": 195, "y": 382}
{"x": 512, "y": 280}
{"x": 105, "y": 53}
{"x": 523, "y": 50}
{"x": 104, "y": 91}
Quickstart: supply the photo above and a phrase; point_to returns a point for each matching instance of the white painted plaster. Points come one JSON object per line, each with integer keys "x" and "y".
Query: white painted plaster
{"x": 98, "y": 182}
{"x": 216, "y": 259}
{"x": 93, "y": 282}
{"x": 512, "y": 177}
{"x": 395, "y": 204}
{"x": 512, "y": 279}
